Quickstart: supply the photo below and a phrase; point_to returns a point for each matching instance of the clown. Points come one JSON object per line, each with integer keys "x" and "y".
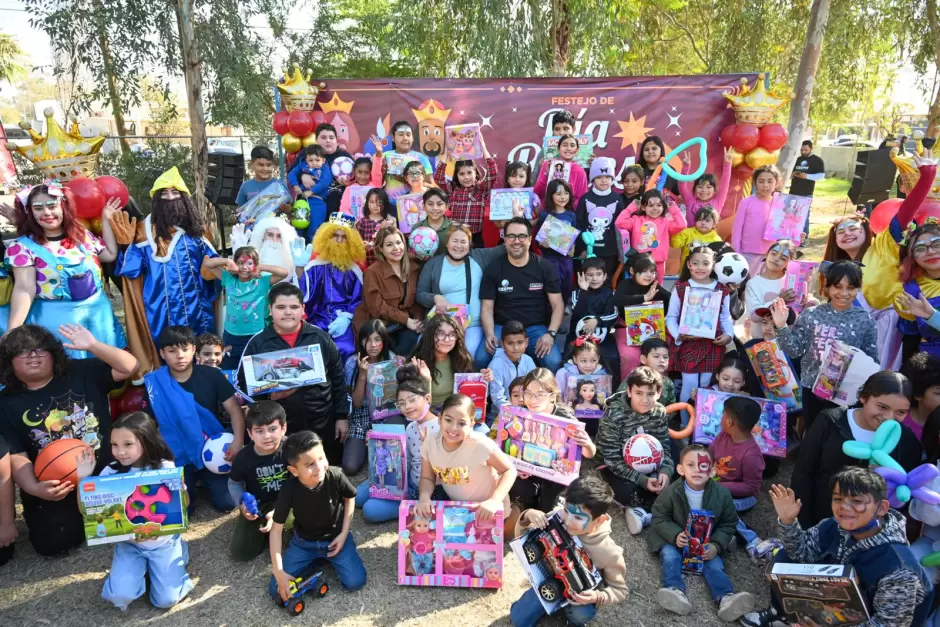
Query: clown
{"x": 160, "y": 268}
{"x": 332, "y": 279}
{"x": 272, "y": 238}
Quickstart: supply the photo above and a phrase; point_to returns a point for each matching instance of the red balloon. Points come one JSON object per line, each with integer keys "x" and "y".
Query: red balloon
{"x": 89, "y": 199}
{"x": 773, "y": 137}
{"x": 113, "y": 187}
{"x": 318, "y": 118}
{"x": 291, "y": 157}
{"x": 279, "y": 124}
{"x": 134, "y": 399}
{"x": 300, "y": 123}
{"x": 745, "y": 137}
{"x": 883, "y": 213}
{"x": 742, "y": 172}
{"x": 727, "y": 136}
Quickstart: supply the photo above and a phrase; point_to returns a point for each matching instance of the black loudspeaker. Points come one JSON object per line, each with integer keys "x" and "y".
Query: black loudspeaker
{"x": 874, "y": 176}
{"x": 226, "y": 174}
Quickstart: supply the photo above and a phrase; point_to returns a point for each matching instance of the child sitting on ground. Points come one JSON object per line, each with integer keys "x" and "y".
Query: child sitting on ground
{"x": 864, "y": 532}
{"x": 587, "y": 501}
{"x": 669, "y": 537}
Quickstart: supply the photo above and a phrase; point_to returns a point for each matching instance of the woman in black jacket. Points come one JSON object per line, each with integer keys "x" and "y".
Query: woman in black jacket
{"x": 884, "y": 396}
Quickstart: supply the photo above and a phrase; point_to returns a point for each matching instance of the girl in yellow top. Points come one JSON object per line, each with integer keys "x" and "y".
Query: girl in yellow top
{"x": 702, "y": 234}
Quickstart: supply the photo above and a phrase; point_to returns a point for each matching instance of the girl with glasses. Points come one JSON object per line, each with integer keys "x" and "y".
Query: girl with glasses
{"x": 443, "y": 348}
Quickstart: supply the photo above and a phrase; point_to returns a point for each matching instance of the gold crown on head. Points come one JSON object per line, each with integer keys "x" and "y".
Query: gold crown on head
{"x": 431, "y": 110}
{"x": 297, "y": 92}
{"x": 337, "y": 104}
{"x": 341, "y": 219}
{"x": 61, "y": 154}
{"x": 909, "y": 174}
{"x": 757, "y": 105}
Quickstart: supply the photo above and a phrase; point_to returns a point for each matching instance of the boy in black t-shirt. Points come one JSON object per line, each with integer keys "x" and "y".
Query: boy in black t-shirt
{"x": 259, "y": 470}
{"x": 323, "y": 501}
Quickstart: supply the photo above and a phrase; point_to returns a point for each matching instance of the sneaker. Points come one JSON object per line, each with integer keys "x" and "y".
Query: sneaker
{"x": 734, "y": 606}
{"x": 638, "y": 519}
{"x": 764, "y": 618}
{"x": 674, "y": 600}
{"x": 764, "y": 550}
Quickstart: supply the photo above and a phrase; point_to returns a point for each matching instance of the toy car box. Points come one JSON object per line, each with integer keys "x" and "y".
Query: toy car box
{"x": 283, "y": 370}
{"x": 827, "y": 594}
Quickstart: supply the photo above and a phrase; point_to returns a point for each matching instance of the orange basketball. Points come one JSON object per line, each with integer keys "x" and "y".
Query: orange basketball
{"x": 59, "y": 460}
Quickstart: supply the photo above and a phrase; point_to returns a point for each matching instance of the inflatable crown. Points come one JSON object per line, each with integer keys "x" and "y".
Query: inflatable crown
{"x": 297, "y": 93}
{"x": 61, "y": 154}
{"x": 757, "y": 106}
{"x": 910, "y": 174}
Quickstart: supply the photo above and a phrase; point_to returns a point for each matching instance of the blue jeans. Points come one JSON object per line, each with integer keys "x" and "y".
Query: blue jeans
{"x": 383, "y": 510}
{"x": 714, "y": 572}
{"x": 742, "y": 505}
{"x": 215, "y": 485}
{"x": 552, "y": 361}
{"x": 166, "y": 565}
{"x": 528, "y": 611}
{"x": 300, "y": 554}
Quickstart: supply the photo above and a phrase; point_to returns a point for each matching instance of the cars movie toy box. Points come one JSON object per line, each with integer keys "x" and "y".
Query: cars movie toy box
{"x": 451, "y": 549}
{"x": 539, "y": 444}
{"x": 133, "y": 505}
{"x": 283, "y": 370}
{"x": 827, "y": 594}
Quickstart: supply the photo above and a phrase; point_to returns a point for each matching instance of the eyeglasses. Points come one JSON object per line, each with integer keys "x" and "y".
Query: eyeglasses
{"x": 536, "y": 395}
{"x": 411, "y": 400}
{"x": 933, "y": 245}
{"x": 442, "y": 336}
{"x": 36, "y": 352}
{"x": 516, "y": 237}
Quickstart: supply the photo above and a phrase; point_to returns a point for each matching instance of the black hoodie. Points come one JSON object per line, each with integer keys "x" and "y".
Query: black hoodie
{"x": 630, "y": 294}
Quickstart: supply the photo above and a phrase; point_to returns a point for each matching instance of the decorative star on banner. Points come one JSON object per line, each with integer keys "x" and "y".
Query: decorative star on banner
{"x": 633, "y": 133}
{"x": 611, "y": 111}
{"x": 674, "y": 120}
{"x": 515, "y": 109}
{"x": 485, "y": 120}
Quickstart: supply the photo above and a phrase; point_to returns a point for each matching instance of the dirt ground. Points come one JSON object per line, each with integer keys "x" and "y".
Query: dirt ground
{"x": 66, "y": 591}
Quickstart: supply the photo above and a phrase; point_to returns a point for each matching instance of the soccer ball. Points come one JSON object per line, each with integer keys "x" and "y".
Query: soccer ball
{"x": 342, "y": 168}
{"x": 731, "y": 268}
{"x": 213, "y": 453}
{"x": 423, "y": 241}
{"x": 643, "y": 453}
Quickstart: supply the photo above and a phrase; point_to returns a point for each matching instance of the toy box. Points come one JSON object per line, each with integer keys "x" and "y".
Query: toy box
{"x": 776, "y": 374}
{"x": 133, "y": 505}
{"x": 501, "y": 202}
{"x": 283, "y": 370}
{"x": 700, "y": 311}
{"x": 787, "y": 217}
{"x": 587, "y": 394}
{"x": 459, "y": 313}
{"x": 800, "y": 278}
{"x": 357, "y": 200}
{"x": 583, "y": 156}
{"x": 539, "y": 444}
{"x": 842, "y": 372}
{"x": 827, "y": 594}
{"x": 395, "y": 163}
{"x": 388, "y": 468}
{"x": 452, "y": 549}
{"x": 382, "y": 387}
{"x": 770, "y": 432}
{"x": 555, "y": 563}
{"x": 643, "y": 322}
{"x": 463, "y": 142}
{"x": 559, "y": 169}
{"x": 557, "y": 235}
{"x": 699, "y": 531}
{"x": 264, "y": 204}
{"x": 471, "y": 384}
{"x": 410, "y": 211}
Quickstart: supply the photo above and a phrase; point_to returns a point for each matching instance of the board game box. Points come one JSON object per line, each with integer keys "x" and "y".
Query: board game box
{"x": 540, "y": 444}
{"x": 770, "y": 432}
{"x": 827, "y": 594}
{"x": 583, "y": 156}
{"x": 283, "y": 370}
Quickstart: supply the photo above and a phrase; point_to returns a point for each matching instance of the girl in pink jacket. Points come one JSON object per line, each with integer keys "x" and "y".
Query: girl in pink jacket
{"x": 650, "y": 226}
{"x": 705, "y": 191}
{"x": 750, "y": 220}
{"x": 576, "y": 177}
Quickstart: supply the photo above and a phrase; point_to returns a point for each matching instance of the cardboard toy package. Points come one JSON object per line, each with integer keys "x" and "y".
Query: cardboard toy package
{"x": 381, "y": 387}
{"x": 587, "y": 394}
{"x": 699, "y": 531}
{"x": 540, "y": 444}
{"x": 557, "y": 235}
{"x": 388, "y": 464}
{"x": 827, "y": 594}
{"x": 501, "y": 202}
{"x": 700, "y": 311}
{"x": 643, "y": 322}
{"x": 410, "y": 211}
{"x": 775, "y": 371}
{"x": 770, "y": 432}
{"x": 842, "y": 372}
{"x": 283, "y": 370}
{"x": 472, "y": 385}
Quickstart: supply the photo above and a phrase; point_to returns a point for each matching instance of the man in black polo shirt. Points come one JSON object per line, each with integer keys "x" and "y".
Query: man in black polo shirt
{"x": 524, "y": 287}
{"x": 809, "y": 169}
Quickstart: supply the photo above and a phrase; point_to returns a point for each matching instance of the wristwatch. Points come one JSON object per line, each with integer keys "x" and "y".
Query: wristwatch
{"x": 552, "y": 333}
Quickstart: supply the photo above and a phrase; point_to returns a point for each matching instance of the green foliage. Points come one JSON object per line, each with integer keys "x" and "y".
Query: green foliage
{"x": 139, "y": 170}
{"x": 11, "y": 56}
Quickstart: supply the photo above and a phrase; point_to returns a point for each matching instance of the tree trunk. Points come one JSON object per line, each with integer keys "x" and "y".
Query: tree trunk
{"x": 192, "y": 73}
{"x": 561, "y": 37}
{"x": 933, "y": 116}
{"x": 805, "y": 81}
{"x": 114, "y": 94}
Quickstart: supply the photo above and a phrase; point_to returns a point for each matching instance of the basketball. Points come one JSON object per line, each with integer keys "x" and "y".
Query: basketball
{"x": 59, "y": 460}
{"x": 643, "y": 453}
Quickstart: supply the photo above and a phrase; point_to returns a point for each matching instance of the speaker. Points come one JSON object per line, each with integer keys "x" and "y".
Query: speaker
{"x": 874, "y": 176}
{"x": 226, "y": 174}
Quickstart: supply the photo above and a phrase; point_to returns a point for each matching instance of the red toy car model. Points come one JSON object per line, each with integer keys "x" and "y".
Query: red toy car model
{"x": 565, "y": 564}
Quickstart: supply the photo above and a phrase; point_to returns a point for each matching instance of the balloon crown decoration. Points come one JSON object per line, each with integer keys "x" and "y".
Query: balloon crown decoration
{"x": 61, "y": 154}
{"x": 757, "y": 105}
{"x": 910, "y": 174}
{"x": 297, "y": 93}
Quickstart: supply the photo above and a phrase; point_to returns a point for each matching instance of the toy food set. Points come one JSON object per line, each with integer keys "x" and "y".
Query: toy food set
{"x": 583, "y": 156}
{"x": 643, "y": 322}
{"x": 382, "y": 387}
{"x": 283, "y": 370}
{"x": 587, "y": 394}
{"x": 463, "y": 142}
{"x": 842, "y": 371}
{"x": 540, "y": 444}
{"x": 472, "y": 384}
{"x": 700, "y": 310}
{"x": 451, "y": 549}
{"x": 310, "y": 581}
{"x": 555, "y": 563}
{"x": 501, "y": 201}
{"x": 388, "y": 467}
{"x": 459, "y": 313}
{"x": 775, "y": 371}
{"x": 787, "y": 217}
{"x": 827, "y": 594}
{"x": 557, "y": 235}
{"x": 133, "y": 505}
{"x": 770, "y": 432}
{"x": 800, "y": 278}
{"x": 699, "y": 531}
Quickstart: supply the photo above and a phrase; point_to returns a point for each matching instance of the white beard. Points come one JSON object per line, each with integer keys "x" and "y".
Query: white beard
{"x": 272, "y": 254}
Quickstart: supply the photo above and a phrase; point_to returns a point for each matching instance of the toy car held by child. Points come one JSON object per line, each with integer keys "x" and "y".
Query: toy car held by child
{"x": 566, "y": 565}
{"x": 310, "y": 581}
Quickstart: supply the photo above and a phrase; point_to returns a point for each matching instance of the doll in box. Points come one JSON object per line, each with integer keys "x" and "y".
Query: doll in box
{"x": 383, "y": 459}
{"x": 420, "y": 543}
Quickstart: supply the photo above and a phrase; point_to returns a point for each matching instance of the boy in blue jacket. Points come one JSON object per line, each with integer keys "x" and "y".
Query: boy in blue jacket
{"x": 509, "y": 362}
{"x": 311, "y": 178}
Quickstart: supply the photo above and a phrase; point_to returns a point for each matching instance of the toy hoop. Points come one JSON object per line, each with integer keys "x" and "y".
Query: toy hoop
{"x": 689, "y": 428}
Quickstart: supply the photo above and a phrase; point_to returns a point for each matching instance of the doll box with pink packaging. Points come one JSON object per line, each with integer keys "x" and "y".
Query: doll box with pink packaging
{"x": 463, "y": 142}
{"x": 451, "y": 549}
{"x": 770, "y": 432}
{"x": 388, "y": 465}
{"x": 540, "y": 444}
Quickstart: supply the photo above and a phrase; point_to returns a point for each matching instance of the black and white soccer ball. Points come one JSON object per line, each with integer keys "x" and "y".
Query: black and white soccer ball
{"x": 731, "y": 268}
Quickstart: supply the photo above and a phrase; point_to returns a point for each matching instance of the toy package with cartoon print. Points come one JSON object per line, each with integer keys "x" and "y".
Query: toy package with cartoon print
{"x": 451, "y": 548}
{"x": 410, "y": 211}
{"x": 463, "y": 142}
{"x": 539, "y": 444}
{"x": 501, "y": 202}
{"x": 800, "y": 278}
{"x": 700, "y": 310}
{"x": 698, "y": 530}
{"x": 587, "y": 394}
{"x": 775, "y": 371}
{"x": 388, "y": 464}
{"x": 643, "y": 322}
{"x": 557, "y": 235}
{"x": 381, "y": 388}
{"x": 827, "y": 594}
{"x": 133, "y": 506}
{"x": 787, "y": 217}
{"x": 770, "y": 432}
{"x": 583, "y": 156}
{"x": 842, "y": 371}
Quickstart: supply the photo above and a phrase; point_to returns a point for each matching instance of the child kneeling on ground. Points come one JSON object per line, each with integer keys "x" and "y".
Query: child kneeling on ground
{"x": 587, "y": 501}
{"x": 668, "y": 536}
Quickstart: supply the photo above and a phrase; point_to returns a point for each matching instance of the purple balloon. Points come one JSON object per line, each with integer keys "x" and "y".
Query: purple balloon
{"x": 926, "y": 495}
{"x": 922, "y": 475}
{"x": 891, "y": 475}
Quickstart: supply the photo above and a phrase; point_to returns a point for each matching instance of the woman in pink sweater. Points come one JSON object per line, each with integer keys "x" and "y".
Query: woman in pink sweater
{"x": 650, "y": 225}
{"x": 705, "y": 191}
{"x": 576, "y": 177}
{"x": 747, "y": 232}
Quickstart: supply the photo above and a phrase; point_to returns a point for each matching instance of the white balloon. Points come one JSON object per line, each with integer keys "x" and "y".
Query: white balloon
{"x": 84, "y": 148}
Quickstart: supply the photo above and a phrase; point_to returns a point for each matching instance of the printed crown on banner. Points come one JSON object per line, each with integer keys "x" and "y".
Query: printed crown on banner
{"x": 910, "y": 174}
{"x": 61, "y": 154}
{"x": 757, "y": 105}
{"x": 297, "y": 93}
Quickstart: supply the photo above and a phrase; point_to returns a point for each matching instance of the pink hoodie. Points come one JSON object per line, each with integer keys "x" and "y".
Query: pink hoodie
{"x": 578, "y": 182}
{"x": 651, "y": 235}
{"x": 747, "y": 232}
{"x": 693, "y": 204}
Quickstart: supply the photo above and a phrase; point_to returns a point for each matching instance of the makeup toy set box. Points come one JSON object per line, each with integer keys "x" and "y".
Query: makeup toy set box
{"x": 540, "y": 444}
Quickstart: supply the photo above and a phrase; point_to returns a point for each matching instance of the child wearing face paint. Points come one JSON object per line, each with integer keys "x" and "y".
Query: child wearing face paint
{"x": 668, "y": 536}
{"x": 863, "y": 531}
{"x": 577, "y": 179}
{"x": 593, "y": 313}
{"x": 761, "y": 290}
{"x": 402, "y": 141}
{"x": 596, "y": 213}
{"x": 750, "y": 219}
{"x": 705, "y": 192}
{"x": 650, "y": 223}
{"x": 884, "y": 396}
{"x": 469, "y": 194}
{"x": 701, "y": 233}
{"x": 920, "y": 271}
{"x": 641, "y": 287}
{"x": 587, "y": 502}
{"x": 848, "y": 239}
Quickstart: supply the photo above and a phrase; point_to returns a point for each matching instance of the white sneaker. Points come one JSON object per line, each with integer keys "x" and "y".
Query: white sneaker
{"x": 637, "y": 519}
{"x": 734, "y": 606}
{"x": 674, "y": 600}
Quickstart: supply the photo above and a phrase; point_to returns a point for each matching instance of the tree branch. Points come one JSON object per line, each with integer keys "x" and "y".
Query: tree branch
{"x": 687, "y": 31}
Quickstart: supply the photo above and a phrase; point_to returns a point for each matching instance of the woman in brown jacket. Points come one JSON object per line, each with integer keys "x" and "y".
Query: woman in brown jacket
{"x": 389, "y": 287}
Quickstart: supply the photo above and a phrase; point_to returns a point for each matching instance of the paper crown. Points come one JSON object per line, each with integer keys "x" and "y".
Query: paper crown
{"x": 297, "y": 93}
{"x": 337, "y": 104}
{"x": 342, "y": 219}
{"x": 910, "y": 175}
{"x": 61, "y": 154}
{"x": 431, "y": 110}
{"x": 757, "y": 105}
